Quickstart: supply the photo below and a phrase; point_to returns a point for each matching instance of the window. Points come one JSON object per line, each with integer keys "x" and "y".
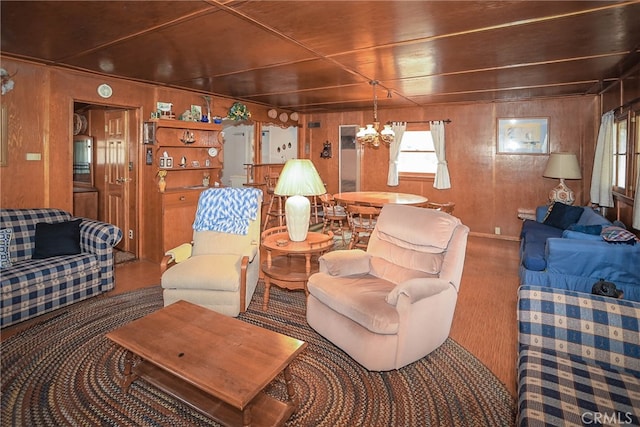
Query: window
{"x": 417, "y": 154}
{"x": 620, "y": 142}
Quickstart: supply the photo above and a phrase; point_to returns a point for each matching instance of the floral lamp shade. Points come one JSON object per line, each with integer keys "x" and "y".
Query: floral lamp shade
{"x": 239, "y": 111}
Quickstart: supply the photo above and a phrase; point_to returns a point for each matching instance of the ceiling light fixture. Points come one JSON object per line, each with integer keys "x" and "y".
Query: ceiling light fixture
{"x": 370, "y": 135}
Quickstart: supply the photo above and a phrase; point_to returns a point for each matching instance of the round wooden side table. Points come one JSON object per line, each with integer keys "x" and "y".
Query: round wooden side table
{"x": 289, "y": 264}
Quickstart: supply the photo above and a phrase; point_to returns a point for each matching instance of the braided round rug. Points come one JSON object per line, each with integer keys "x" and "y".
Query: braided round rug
{"x": 64, "y": 372}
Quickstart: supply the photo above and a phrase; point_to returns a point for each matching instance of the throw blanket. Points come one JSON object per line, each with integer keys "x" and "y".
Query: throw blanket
{"x": 227, "y": 210}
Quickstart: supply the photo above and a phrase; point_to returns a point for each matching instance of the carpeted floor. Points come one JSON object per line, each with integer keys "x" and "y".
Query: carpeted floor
{"x": 64, "y": 372}
{"x": 121, "y": 257}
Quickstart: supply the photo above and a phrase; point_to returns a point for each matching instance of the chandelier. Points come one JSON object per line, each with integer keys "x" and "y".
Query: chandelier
{"x": 370, "y": 135}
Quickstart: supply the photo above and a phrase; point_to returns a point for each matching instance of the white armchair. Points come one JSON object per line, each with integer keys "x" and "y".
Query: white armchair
{"x": 393, "y": 304}
{"x": 219, "y": 269}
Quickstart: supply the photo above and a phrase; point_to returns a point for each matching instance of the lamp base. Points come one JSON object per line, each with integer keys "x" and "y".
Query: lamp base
{"x": 562, "y": 194}
{"x": 297, "y": 210}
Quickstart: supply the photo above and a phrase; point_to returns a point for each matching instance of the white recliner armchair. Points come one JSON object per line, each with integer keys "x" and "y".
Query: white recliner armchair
{"x": 393, "y": 304}
{"x": 219, "y": 269}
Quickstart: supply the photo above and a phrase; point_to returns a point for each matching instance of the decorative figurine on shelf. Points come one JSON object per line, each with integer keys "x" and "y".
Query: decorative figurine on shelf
{"x": 204, "y": 119}
{"x": 162, "y": 184}
{"x": 183, "y": 162}
{"x": 188, "y": 137}
{"x": 239, "y": 111}
{"x": 205, "y": 180}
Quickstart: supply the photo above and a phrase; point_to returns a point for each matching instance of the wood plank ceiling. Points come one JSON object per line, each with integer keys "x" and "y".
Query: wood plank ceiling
{"x": 315, "y": 56}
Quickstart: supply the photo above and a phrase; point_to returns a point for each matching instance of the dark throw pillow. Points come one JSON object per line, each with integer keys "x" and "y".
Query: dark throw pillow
{"x": 562, "y": 216}
{"x": 58, "y": 238}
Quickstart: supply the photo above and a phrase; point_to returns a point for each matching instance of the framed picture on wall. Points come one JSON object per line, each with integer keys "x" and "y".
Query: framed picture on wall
{"x": 523, "y": 135}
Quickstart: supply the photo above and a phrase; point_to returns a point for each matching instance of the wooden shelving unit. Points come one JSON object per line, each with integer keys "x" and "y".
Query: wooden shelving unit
{"x": 178, "y": 203}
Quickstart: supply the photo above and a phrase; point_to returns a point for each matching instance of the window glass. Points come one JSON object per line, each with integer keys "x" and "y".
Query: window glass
{"x": 620, "y": 155}
{"x": 417, "y": 153}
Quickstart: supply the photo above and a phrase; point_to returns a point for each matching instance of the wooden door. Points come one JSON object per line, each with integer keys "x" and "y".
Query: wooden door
{"x": 117, "y": 177}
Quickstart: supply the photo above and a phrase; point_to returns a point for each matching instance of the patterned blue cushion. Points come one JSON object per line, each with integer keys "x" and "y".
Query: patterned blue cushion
{"x": 579, "y": 358}
{"x": 5, "y": 241}
{"x": 555, "y": 390}
{"x": 614, "y": 234}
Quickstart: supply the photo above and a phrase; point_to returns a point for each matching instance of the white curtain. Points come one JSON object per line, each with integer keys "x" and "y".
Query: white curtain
{"x": 442, "y": 180}
{"x": 394, "y": 152}
{"x": 602, "y": 179}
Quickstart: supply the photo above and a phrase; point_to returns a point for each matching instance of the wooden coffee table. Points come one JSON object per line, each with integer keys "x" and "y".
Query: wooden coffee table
{"x": 216, "y": 364}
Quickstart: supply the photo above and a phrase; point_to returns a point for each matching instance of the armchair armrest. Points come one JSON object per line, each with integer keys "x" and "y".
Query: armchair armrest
{"x": 96, "y": 237}
{"x": 417, "y": 289}
{"x": 99, "y": 238}
{"x": 177, "y": 254}
{"x": 345, "y": 262}
{"x": 251, "y": 251}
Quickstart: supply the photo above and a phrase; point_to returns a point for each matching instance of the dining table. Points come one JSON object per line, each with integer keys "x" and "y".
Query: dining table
{"x": 379, "y": 198}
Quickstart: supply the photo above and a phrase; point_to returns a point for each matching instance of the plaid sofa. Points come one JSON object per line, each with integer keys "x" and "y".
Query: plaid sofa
{"x": 579, "y": 359}
{"x": 31, "y": 287}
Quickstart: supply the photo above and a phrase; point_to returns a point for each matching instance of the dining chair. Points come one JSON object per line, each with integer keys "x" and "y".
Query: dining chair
{"x": 275, "y": 210}
{"x": 444, "y": 207}
{"x": 334, "y": 216}
{"x": 362, "y": 221}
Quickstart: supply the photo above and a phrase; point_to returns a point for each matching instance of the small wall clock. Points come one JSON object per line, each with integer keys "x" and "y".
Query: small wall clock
{"x": 213, "y": 151}
{"x": 105, "y": 91}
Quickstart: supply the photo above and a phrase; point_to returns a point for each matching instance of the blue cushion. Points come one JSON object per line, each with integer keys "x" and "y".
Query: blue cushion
{"x": 562, "y": 216}
{"x": 533, "y": 255}
{"x": 591, "y": 217}
{"x": 532, "y": 230}
{"x": 588, "y": 229}
{"x": 571, "y": 234}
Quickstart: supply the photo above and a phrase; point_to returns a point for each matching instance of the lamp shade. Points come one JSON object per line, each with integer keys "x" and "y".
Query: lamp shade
{"x": 562, "y": 165}
{"x": 299, "y": 178}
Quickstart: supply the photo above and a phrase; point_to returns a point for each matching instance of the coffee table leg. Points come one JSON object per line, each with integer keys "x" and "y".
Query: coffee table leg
{"x": 291, "y": 390}
{"x": 129, "y": 376}
{"x": 246, "y": 416}
{"x": 267, "y": 288}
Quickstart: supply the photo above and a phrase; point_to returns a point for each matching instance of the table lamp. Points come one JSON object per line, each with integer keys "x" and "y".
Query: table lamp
{"x": 299, "y": 178}
{"x": 562, "y": 166}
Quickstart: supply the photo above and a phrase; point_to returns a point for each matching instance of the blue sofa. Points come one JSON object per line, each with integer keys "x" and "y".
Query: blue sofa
{"x": 561, "y": 257}
{"x": 31, "y": 286}
{"x": 578, "y": 359}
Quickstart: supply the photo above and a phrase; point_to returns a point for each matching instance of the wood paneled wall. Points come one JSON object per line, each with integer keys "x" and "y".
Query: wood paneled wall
{"x": 487, "y": 188}
{"x": 40, "y": 110}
